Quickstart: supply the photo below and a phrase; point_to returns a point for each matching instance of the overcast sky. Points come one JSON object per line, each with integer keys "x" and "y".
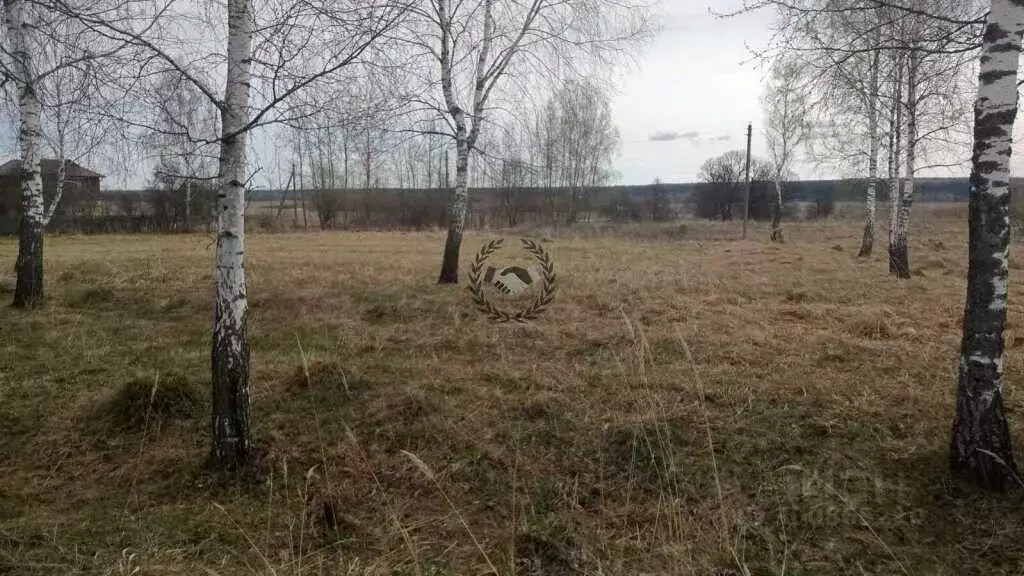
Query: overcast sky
{"x": 688, "y": 98}
{"x": 694, "y": 91}
{"x": 692, "y": 94}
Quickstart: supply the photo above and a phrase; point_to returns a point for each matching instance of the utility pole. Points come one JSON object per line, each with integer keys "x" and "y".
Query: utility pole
{"x": 746, "y": 189}
{"x": 295, "y": 198}
{"x": 188, "y": 204}
{"x": 300, "y": 183}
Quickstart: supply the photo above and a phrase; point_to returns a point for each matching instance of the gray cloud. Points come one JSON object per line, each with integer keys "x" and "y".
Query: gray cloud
{"x": 722, "y": 138}
{"x": 669, "y": 136}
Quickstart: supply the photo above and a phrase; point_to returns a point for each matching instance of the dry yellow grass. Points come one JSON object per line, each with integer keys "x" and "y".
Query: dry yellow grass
{"x": 402, "y": 433}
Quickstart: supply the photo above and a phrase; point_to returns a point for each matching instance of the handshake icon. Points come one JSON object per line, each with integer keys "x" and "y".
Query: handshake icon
{"x": 511, "y": 280}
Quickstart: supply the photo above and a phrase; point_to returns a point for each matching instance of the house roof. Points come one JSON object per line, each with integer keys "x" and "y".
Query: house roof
{"x": 49, "y": 166}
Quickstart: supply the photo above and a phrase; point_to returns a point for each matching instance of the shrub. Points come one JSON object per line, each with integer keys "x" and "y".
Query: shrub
{"x": 266, "y": 223}
{"x": 824, "y": 206}
{"x": 623, "y": 208}
{"x": 792, "y": 211}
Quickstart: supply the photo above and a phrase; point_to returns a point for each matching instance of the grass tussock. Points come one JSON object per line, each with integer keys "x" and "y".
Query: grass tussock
{"x": 144, "y": 401}
{"x": 689, "y": 404}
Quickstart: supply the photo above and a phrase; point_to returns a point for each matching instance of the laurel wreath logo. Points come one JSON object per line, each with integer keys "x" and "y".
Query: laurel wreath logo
{"x": 539, "y": 304}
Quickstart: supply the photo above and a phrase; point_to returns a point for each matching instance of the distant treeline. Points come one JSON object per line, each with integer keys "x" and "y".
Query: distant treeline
{"x": 845, "y": 190}
{"x": 162, "y": 210}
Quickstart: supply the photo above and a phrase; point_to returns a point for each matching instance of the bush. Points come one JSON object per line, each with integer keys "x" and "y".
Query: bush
{"x": 725, "y": 201}
{"x": 137, "y": 402}
{"x": 623, "y": 208}
{"x": 792, "y": 211}
{"x": 821, "y": 209}
{"x": 266, "y": 223}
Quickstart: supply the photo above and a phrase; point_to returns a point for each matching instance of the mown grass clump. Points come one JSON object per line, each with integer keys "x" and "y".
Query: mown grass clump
{"x": 319, "y": 376}
{"x": 145, "y": 401}
{"x": 91, "y": 296}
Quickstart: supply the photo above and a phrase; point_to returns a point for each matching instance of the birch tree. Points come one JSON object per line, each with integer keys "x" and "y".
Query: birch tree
{"x": 867, "y": 242}
{"x": 20, "y": 28}
{"x": 71, "y": 130}
{"x": 980, "y": 448}
{"x": 842, "y": 62}
{"x": 271, "y": 56}
{"x": 895, "y": 159}
{"x": 871, "y": 97}
{"x": 786, "y": 127}
{"x": 184, "y": 136}
{"x": 50, "y": 62}
{"x": 588, "y": 141}
{"x": 864, "y": 56}
{"x": 472, "y": 46}
{"x": 903, "y": 197}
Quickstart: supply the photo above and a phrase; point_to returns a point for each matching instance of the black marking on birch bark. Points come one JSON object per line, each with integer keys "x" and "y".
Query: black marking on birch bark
{"x": 980, "y": 447}
{"x": 1003, "y": 47}
{"x": 992, "y": 125}
{"x": 777, "y": 220}
{"x": 992, "y": 77}
{"x": 899, "y": 259}
{"x": 992, "y": 35}
{"x": 28, "y": 291}
{"x": 450, "y": 264}
{"x": 232, "y": 448}
{"x": 867, "y": 243}
{"x": 457, "y": 215}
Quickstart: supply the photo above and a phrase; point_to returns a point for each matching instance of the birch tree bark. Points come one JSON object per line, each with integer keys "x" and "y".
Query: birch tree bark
{"x": 900, "y": 253}
{"x": 896, "y": 151}
{"x": 459, "y": 204}
{"x": 62, "y": 175}
{"x": 776, "y": 235}
{"x": 868, "y": 241}
{"x": 231, "y": 450}
{"x": 980, "y": 447}
{"x": 28, "y": 291}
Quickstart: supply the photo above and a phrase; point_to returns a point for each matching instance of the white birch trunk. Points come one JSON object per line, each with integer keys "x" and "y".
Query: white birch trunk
{"x": 188, "y": 205}
{"x": 344, "y": 190}
{"x": 776, "y": 235}
{"x": 901, "y": 252}
{"x": 232, "y": 445}
{"x": 896, "y": 186}
{"x": 62, "y": 174}
{"x": 28, "y": 292}
{"x": 459, "y": 204}
{"x": 980, "y": 448}
{"x": 464, "y": 140}
{"x": 868, "y": 240}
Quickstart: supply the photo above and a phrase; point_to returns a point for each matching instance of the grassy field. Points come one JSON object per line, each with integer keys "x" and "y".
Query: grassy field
{"x": 690, "y": 404}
